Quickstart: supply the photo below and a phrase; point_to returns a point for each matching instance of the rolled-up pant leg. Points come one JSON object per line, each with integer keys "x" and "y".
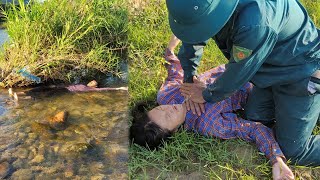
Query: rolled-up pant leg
{"x": 296, "y": 114}
{"x": 260, "y": 106}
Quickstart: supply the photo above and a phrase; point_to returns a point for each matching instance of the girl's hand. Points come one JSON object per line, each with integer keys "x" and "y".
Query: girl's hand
{"x": 280, "y": 171}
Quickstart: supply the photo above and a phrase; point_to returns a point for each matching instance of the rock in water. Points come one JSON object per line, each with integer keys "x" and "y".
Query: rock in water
{"x": 37, "y": 159}
{"x": 59, "y": 121}
{"x": 4, "y": 169}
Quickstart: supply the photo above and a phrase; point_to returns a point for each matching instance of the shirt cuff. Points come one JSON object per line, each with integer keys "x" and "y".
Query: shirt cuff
{"x": 275, "y": 151}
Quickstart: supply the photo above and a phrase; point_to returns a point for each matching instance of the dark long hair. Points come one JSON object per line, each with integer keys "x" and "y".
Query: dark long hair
{"x": 143, "y": 131}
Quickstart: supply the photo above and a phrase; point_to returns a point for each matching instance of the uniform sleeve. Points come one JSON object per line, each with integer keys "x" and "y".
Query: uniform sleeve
{"x": 189, "y": 56}
{"x": 260, "y": 40}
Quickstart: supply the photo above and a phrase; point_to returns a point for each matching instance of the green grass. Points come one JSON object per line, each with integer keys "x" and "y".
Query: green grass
{"x": 63, "y": 40}
{"x": 187, "y": 155}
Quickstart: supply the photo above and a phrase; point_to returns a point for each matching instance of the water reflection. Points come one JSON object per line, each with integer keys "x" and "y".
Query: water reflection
{"x": 3, "y": 36}
{"x": 92, "y": 146}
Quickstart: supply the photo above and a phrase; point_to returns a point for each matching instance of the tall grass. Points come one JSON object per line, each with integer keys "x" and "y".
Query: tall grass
{"x": 187, "y": 156}
{"x": 63, "y": 39}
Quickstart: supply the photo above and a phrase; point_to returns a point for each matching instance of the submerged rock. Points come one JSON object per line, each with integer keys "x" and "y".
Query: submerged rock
{"x": 22, "y": 174}
{"x": 17, "y": 164}
{"x": 59, "y": 121}
{"x": 37, "y": 159}
{"x": 21, "y": 153}
{"x": 78, "y": 146}
{"x": 4, "y": 169}
{"x": 42, "y": 130}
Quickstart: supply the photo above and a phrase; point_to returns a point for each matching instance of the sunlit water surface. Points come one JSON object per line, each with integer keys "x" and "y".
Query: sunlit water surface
{"x": 93, "y": 145}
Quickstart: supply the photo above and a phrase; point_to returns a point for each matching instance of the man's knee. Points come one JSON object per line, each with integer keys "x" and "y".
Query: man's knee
{"x": 293, "y": 153}
{"x": 260, "y": 106}
{"x": 301, "y": 153}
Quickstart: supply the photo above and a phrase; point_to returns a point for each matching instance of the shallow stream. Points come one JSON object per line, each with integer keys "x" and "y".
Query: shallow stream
{"x": 94, "y": 144}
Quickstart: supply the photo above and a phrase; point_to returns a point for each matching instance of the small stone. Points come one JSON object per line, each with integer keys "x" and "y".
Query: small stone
{"x": 68, "y": 133}
{"x": 38, "y": 159}
{"x": 28, "y": 129}
{"x": 98, "y": 177}
{"x": 22, "y": 174}
{"x": 33, "y": 150}
{"x": 22, "y": 153}
{"x": 4, "y": 169}
{"x": 58, "y": 122}
{"x": 56, "y": 149}
{"x": 41, "y": 149}
{"x": 17, "y": 164}
{"x": 29, "y": 142}
{"x": 68, "y": 174}
{"x": 3, "y": 147}
{"x": 32, "y": 136}
{"x": 42, "y": 130}
{"x": 22, "y": 136}
{"x": 76, "y": 113}
{"x": 31, "y": 156}
{"x": 6, "y": 155}
{"x": 96, "y": 167}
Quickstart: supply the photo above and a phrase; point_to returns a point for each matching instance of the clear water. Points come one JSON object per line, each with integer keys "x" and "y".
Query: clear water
{"x": 94, "y": 144}
{"x": 3, "y": 37}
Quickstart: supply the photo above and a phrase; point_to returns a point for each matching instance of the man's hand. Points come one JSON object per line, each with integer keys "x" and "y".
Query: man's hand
{"x": 193, "y": 94}
{"x": 196, "y": 108}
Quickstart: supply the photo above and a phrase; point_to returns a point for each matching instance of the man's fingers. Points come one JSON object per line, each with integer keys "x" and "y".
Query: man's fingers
{"x": 187, "y": 84}
{"x": 193, "y": 109}
{"x": 185, "y": 91}
{"x": 198, "y": 109}
{"x": 195, "y": 79}
{"x": 186, "y": 95}
{"x": 188, "y": 105}
{"x": 202, "y": 108}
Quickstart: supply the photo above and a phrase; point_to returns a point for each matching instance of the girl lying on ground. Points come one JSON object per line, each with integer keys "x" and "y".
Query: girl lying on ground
{"x": 150, "y": 129}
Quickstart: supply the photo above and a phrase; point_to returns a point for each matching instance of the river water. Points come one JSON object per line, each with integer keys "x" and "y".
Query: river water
{"x": 94, "y": 144}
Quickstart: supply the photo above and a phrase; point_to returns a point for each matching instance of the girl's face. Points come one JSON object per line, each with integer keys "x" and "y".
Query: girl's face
{"x": 168, "y": 117}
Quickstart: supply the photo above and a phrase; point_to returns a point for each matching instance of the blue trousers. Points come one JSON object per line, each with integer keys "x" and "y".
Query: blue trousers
{"x": 295, "y": 112}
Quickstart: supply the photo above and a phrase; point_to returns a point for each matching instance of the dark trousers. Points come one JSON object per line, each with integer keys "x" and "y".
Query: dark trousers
{"x": 295, "y": 112}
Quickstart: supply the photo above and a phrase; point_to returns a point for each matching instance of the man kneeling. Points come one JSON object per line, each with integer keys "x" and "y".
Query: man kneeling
{"x": 150, "y": 129}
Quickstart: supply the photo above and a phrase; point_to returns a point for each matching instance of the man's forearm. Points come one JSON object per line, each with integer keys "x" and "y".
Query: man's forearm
{"x": 189, "y": 56}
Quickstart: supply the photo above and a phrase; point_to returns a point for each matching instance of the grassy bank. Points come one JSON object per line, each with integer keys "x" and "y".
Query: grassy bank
{"x": 64, "y": 40}
{"x": 188, "y": 155}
